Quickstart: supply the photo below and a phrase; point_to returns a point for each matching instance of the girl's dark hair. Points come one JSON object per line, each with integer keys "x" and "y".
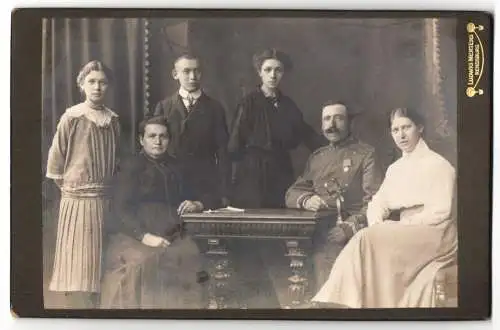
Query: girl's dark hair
{"x": 272, "y": 53}
{"x": 159, "y": 120}
{"x": 408, "y": 113}
{"x": 93, "y": 66}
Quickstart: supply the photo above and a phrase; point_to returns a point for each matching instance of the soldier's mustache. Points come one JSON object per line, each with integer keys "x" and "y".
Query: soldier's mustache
{"x": 331, "y": 130}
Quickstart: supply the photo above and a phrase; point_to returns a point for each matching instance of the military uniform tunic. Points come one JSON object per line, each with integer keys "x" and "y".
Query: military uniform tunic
{"x": 352, "y": 165}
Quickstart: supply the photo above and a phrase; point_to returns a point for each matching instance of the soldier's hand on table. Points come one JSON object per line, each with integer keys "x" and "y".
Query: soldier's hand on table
{"x": 189, "y": 207}
{"x": 337, "y": 235}
{"x": 315, "y": 203}
{"x": 154, "y": 241}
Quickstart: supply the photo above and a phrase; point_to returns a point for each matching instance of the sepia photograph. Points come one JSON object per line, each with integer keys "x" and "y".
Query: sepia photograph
{"x": 252, "y": 162}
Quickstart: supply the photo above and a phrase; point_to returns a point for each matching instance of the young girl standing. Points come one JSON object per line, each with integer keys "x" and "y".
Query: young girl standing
{"x": 82, "y": 162}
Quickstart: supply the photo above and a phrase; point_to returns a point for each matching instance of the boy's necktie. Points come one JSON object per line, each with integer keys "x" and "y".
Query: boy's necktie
{"x": 191, "y": 101}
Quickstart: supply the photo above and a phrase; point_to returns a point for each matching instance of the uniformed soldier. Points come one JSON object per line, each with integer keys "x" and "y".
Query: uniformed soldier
{"x": 341, "y": 177}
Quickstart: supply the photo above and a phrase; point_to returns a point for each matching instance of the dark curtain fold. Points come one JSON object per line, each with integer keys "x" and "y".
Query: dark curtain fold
{"x": 440, "y": 97}
{"x": 169, "y": 38}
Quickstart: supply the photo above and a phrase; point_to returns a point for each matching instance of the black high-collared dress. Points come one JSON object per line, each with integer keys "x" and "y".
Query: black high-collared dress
{"x": 262, "y": 135}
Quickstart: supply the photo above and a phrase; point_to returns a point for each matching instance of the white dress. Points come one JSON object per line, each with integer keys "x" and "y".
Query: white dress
{"x": 83, "y": 155}
{"x": 393, "y": 264}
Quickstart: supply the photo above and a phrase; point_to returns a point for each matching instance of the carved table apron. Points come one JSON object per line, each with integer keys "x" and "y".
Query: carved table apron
{"x": 294, "y": 227}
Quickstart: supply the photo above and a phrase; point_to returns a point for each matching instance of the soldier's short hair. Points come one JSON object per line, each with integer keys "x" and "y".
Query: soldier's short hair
{"x": 333, "y": 102}
{"x": 350, "y": 113}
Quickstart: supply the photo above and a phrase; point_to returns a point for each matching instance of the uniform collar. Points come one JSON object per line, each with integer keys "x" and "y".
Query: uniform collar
{"x": 342, "y": 143}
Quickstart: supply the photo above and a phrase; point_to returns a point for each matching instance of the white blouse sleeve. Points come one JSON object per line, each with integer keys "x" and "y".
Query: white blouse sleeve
{"x": 57, "y": 152}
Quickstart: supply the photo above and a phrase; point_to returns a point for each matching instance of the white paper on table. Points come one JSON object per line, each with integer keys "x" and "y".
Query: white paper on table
{"x": 225, "y": 209}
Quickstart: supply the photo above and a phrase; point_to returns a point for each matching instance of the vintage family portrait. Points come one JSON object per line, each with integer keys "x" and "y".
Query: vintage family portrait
{"x": 249, "y": 162}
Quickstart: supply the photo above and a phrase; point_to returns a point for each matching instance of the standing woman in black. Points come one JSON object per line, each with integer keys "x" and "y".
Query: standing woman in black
{"x": 267, "y": 126}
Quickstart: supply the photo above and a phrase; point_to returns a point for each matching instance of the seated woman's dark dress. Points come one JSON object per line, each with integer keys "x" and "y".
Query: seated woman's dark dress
{"x": 146, "y": 197}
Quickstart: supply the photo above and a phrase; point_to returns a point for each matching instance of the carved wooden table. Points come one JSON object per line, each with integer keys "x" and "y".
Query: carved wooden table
{"x": 295, "y": 228}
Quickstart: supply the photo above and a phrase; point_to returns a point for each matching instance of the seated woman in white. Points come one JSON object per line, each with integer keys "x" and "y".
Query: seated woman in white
{"x": 393, "y": 263}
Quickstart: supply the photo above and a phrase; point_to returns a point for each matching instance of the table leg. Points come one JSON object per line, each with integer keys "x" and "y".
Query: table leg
{"x": 217, "y": 255}
{"x": 298, "y": 280}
